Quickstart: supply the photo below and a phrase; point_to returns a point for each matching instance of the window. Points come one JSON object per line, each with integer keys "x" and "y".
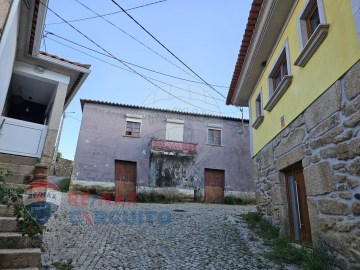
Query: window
{"x": 279, "y": 78}
{"x": 280, "y": 72}
{"x": 312, "y": 20}
{"x": 175, "y": 130}
{"x": 214, "y": 136}
{"x": 258, "y": 109}
{"x": 312, "y": 29}
{"x": 132, "y": 129}
{"x": 259, "y": 118}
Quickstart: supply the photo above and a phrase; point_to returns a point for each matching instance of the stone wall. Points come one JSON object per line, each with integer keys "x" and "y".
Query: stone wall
{"x": 326, "y": 139}
{"x": 63, "y": 167}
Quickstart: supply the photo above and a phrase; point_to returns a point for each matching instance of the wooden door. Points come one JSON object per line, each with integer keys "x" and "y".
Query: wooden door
{"x": 125, "y": 180}
{"x": 297, "y": 201}
{"x": 214, "y": 186}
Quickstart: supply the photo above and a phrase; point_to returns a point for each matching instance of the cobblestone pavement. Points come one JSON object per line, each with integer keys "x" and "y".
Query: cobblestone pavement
{"x": 96, "y": 235}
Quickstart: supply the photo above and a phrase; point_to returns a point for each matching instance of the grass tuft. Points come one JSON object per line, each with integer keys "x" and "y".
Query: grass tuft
{"x": 283, "y": 250}
{"x": 64, "y": 185}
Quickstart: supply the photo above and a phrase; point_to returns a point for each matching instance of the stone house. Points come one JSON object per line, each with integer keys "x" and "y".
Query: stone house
{"x": 298, "y": 72}
{"x": 131, "y": 148}
{"x": 35, "y": 89}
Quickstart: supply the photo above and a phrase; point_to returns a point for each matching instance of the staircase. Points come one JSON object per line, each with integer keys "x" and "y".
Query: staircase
{"x": 19, "y": 166}
{"x": 16, "y": 251}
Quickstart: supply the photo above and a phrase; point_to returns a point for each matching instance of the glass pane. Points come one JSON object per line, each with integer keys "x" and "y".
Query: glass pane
{"x": 210, "y": 136}
{"x": 217, "y": 137}
{"x": 285, "y": 70}
{"x": 293, "y": 204}
{"x": 277, "y": 80}
{"x": 314, "y": 20}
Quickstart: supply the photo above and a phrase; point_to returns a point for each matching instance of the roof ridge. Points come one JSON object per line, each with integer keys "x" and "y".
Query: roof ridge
{"x": 83, "y": 101}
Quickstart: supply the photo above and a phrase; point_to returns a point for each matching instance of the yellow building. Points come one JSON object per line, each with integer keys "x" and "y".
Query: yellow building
{"x": 298, "y": 71}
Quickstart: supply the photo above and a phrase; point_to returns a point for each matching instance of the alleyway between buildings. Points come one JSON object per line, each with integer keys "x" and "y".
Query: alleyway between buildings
{"x": 95, "y": 234}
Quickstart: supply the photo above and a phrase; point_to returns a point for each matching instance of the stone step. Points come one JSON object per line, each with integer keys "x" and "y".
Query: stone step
{"x": 26, "y": 268}
{"x": 14, "y": 240}
{"x": 6, "y": 211}
{"x": 17, "y": 172}
{"x": 13, "y": 185}
{"x": 21, "y": 160}
{"x": 8, "y": 224}
{"x": 28, "y": 258}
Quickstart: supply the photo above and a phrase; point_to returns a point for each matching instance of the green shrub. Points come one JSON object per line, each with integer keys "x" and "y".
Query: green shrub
{"x": 315, "y": 258}
{"x": 64, "y": 185}
{"x": 232, "y": 200}
{"x": 283, "y": 251}
{"x": 9, "y": 196}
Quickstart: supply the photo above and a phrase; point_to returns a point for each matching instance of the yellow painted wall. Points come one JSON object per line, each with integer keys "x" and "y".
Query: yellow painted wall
{"x": 339, "y": 51}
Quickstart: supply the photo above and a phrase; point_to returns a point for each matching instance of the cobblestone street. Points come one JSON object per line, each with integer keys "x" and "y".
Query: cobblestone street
{"x": 96, "y": 235}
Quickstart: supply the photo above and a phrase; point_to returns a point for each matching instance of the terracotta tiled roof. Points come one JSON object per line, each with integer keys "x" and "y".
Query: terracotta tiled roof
{"x": 83, "y": 101}
{"x": 249, "y": 30}
{"x": 173, "y": 146}
{"x": 64, "y": 60}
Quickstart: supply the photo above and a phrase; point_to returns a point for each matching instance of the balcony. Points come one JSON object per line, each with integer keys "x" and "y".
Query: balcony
{"x": 173, "y": 148}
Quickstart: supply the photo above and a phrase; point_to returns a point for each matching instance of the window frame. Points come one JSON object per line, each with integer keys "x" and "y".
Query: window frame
{"x": 175, "y": 122}
{"x": 259, "y": 110}
{"x": 285, "y": 82}
{"x": 308, "y": 19}
{"x": 214, "y": 142}
{"x": 132, "y": 128}
{"x": 310, "y": 41}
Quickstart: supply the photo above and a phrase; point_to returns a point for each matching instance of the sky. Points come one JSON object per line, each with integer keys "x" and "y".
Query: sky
{"x": 205, "y": 34}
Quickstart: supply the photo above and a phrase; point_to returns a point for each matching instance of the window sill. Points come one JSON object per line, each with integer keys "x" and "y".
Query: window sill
{"x": 209, "y": 144}
{"x": 131, "y": 136}
{"x": 312, "y": 45}
{"x": 279, "y": 92}
{"x": 258, "y": 121}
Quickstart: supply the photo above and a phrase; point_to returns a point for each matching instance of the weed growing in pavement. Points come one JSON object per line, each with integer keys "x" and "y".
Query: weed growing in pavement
{"x": 283, "y": 250}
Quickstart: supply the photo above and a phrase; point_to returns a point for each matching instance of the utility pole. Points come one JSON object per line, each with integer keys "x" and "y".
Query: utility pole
{"x": 52, "y": 166}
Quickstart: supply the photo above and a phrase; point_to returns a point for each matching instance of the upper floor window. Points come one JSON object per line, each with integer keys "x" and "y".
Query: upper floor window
{"x": 133, "y": 124}
{"x": 279, "y": 72}
{"x": 279, "y": 78}
{"x": 175, "y": 130}
{"x": 258, "y": 111}
{"x": 214, "y": 136}
{"x": 312, "y": 28}
{"x": 132, "y": 129}
{"x": 312, "y": 19}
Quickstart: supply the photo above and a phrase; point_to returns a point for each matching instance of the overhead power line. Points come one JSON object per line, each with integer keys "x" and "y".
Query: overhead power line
{"x": 138, "y": 41}
{"x": 119, "y": 67}
{"x": 162, "y": 45}
{"x": 132, "y": 64}
{"x": 122, "y": 62}
{"x": 108, "y": 14}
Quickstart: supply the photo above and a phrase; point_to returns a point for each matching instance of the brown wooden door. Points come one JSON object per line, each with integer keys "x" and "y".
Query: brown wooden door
{"x": 297, "y": 202}
{"x": 214, "y": 186}
{"x": 125, "y": 180}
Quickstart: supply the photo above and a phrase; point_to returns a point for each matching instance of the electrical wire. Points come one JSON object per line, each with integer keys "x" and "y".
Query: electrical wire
{"x": 138, "y": 41}
{"x": 161, "y": 44}
{"x": 117, "y": 66}
{"x": 122, "y": 62}
{"x": 108, "y": 14}
{"x": 132, "y": 64}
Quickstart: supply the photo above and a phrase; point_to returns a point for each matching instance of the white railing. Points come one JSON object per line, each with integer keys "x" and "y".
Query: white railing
{"x": 21, "y": 138}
